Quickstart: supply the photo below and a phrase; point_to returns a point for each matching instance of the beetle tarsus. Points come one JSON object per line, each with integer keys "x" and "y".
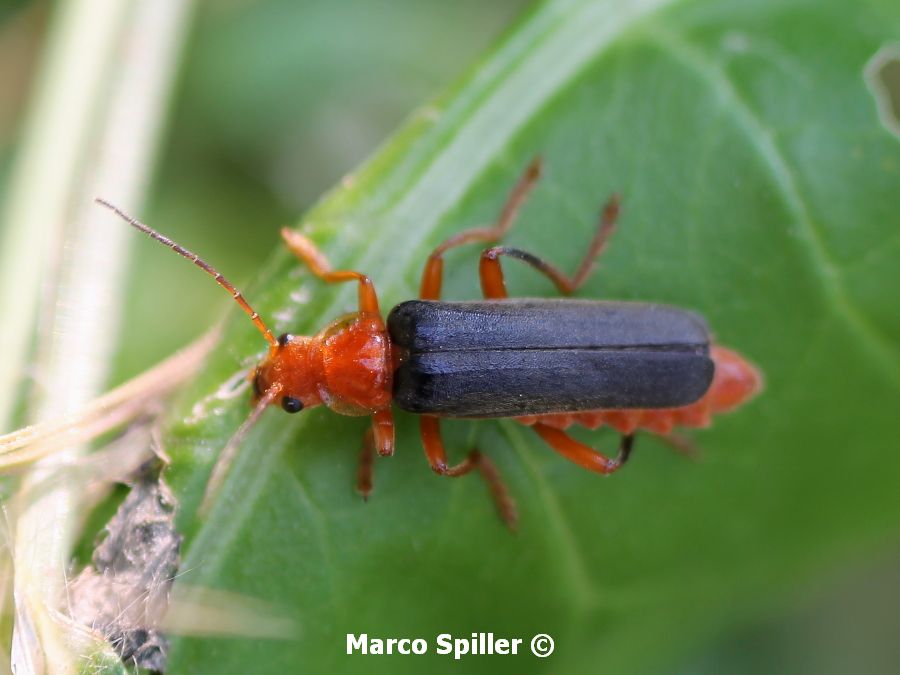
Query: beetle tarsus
{"x": 684, "y": 446}
{"x": 626, "y": 445}
{"x": 437, "y": 458}
{"x": 584, "y": 455}
{"x": 366, "y": 462}
{"x": 506, "y": 505}
{"x": 433, "y": 273}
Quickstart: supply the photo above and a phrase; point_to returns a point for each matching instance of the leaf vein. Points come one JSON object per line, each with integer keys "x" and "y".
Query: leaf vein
{"x": 573, "y": 565}
{"x": 762, "y": 140}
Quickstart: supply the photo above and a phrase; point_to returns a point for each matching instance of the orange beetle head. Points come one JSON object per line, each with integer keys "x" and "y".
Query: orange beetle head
{"x": 288, "y": 366}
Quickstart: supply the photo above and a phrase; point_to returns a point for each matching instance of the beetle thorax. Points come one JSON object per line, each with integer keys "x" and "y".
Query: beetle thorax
{"x": 353, "y": 364}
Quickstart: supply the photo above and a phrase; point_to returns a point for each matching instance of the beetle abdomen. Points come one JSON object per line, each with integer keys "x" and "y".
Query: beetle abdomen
{"x": 735, "y": 380}
{"x": 527, "y": 357}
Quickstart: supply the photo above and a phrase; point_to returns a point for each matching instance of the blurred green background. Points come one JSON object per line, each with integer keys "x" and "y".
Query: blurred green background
{"x": 275, "y": 101}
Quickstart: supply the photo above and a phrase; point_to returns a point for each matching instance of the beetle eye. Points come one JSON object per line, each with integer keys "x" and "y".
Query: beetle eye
{"x": 291, "y": 404}
{"x": 283, "y": 339}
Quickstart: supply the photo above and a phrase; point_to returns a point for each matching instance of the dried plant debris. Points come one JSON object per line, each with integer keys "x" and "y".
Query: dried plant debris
{"x": 125, "y": 593}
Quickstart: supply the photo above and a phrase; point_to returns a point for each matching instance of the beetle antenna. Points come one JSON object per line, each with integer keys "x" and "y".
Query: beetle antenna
{"x": 199, "y": 262}
{"x": 226, "y": 457}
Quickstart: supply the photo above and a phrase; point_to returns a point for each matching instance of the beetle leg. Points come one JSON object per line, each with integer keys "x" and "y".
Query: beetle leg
{"x": 307, "y": 252}
{"x": 584, "y": 455}
{"x": 366, "y": 460}
{"x": 491, "y": 273}
{"x": 681, "y": 444}
{"x": 437, "y": 457}
{"x": 433, "y": 273}
{"x": 383, "y": 432}
{"x": 380, "y": 437}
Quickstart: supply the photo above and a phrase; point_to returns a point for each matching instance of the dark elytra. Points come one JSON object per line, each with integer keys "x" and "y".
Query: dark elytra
{"x": 506, "y": 358}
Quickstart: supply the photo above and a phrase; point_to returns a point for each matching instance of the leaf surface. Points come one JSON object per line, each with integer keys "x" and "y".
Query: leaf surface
{"x": 759, "y": 188}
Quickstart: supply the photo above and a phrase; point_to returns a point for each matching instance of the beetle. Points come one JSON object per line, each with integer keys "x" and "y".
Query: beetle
{"x": 549, "y": 363}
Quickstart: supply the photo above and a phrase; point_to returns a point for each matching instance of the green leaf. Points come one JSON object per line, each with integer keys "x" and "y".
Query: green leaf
{"x": 759, "y": 189}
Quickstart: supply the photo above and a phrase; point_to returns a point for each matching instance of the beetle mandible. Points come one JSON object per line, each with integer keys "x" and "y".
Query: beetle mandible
{"x": 549, "y": 363}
